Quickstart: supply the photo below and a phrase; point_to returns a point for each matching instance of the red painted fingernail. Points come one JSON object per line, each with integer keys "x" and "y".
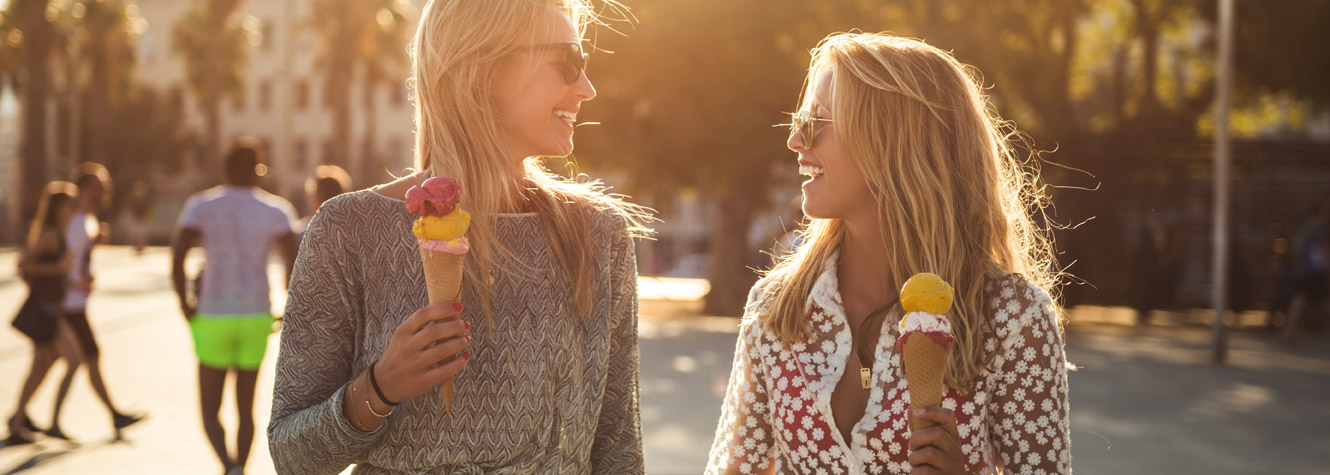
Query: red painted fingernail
{"x": 468, "y": 338}
{"x": 468, "y": 325}
{"x": 466, "y": 356}
{"x": 457, "y": 306}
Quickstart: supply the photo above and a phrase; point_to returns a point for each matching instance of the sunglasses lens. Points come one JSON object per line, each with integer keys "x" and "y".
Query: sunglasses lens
{"x": 574, "y": 62}
{"x": 804, "y": 127}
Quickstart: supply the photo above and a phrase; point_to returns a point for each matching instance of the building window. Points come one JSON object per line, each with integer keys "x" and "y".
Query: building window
{"x": 398, "y": 95}
{"x": 395, "y": 154}
{"x": 265, "y": 95}
{"x": 302, "y": 95}
{"x": 302, "y": 156}
{"x": 176, "y": 98}
{"x": 327, "y": 151}
{"x": 267, "y": 36}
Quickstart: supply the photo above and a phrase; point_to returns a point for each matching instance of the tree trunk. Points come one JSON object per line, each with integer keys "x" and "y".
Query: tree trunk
{"x": 1147, "y": 29}
{"x": 39, "y": 37}
{"x": 212, "y": 90}
{"x": 369, "y": 162}
{"x": 341, "y": 128}
{"x": 729, "y": 270}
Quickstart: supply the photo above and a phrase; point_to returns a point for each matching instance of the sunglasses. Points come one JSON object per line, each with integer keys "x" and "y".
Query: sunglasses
{"x": 574, "y": 60}
{"x": 803, "y": 122}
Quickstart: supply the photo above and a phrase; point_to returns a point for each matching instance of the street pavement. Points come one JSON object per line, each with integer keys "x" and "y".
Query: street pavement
{"x": 1144, "y": 400}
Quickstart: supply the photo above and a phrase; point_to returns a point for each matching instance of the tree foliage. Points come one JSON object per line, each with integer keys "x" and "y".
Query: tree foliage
{"x": 215, "y": 47}
{"x": 368, "y": 37}
{"x": 688, "y": 95}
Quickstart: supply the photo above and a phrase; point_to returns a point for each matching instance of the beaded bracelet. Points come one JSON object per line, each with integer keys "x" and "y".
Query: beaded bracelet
{"x": 376, "y": 414}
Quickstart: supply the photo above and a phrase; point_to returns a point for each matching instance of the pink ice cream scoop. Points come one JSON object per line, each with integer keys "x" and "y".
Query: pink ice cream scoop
{"x": 437, "y": 197}
{"x": 935, "y": 327}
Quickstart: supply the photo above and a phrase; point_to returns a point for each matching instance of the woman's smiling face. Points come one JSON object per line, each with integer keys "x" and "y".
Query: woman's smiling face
{"x": 836, "y": 188}
{"x": 536, "y": 106}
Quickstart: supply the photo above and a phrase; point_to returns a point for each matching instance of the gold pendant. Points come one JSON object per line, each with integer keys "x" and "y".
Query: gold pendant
{"x": 865, "y": 377}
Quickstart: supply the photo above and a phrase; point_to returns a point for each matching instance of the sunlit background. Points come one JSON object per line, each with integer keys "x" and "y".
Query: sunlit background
{"x": 1117, "y": 98}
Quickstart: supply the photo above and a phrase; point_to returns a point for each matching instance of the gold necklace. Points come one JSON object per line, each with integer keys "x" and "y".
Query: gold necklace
{"x": 865, "y": 366}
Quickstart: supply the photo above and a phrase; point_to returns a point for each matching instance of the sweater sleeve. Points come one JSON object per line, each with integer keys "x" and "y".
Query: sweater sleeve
{"x": 307, "y": 433}
{"x": 618, "y": 445}
{"x": 1029, "y": 408}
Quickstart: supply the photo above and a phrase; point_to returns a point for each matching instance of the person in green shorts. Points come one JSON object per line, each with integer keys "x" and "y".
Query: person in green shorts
{"x": 229, "y": 313}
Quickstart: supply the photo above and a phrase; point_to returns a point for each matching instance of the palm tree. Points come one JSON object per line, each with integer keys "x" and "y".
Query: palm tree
{"x": 32, "y": 35}
{"x": 107, "y": 32}
{"x": 369, "y": 34}
{"x": 215, "y": 49}
{"x": 384, "y": 56}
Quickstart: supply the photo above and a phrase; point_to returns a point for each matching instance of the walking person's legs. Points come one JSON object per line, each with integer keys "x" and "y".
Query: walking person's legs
{"x": 92, "y": 357}
{"x": 245, "y": 383}
{"x": 252, "y": 343}
{"x": 43, "y": 357}
{"x": 211, "y": 382}
{"x": 68, "y": 347}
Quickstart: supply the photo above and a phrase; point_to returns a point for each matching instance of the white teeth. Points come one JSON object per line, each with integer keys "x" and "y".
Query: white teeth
{"x": 571, "y": 117}
{"x": 810, "y": 170}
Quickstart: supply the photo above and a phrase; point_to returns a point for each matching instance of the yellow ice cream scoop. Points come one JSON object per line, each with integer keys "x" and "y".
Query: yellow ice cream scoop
{"x": 449, "y": 226}
{"x": 925, "y": 292}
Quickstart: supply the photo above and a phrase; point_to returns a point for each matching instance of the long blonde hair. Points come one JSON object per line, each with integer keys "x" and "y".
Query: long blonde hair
{"x": 952, "y": 196}
{"x": 455, "y": 54}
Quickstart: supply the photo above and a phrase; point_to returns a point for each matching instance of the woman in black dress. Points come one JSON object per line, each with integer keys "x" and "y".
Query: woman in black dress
{"x": 44, "y": 264}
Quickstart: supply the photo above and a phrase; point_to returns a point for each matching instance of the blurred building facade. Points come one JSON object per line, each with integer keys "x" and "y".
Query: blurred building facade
{"x": 283, "y": 104}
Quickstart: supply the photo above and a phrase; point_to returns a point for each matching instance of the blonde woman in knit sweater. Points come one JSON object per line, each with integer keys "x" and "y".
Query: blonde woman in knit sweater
{"x": 544, "y": 354}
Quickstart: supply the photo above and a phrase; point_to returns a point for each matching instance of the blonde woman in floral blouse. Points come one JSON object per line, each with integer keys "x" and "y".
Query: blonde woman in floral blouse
{"x": 911, "y": 171}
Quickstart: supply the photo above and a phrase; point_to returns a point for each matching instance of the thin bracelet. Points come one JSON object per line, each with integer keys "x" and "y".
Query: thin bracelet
{"x": 371, "y": 408}
{"x": 375, "y": 382}
{"x": 355, "y": 415}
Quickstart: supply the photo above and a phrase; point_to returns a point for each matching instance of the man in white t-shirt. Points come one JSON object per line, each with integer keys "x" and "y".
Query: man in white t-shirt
{"x": 82, "y": 234}
{"x": 229, "y": 313}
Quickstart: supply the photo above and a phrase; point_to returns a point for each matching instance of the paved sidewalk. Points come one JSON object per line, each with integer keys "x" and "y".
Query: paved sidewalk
{"x": 1144, "y": 401}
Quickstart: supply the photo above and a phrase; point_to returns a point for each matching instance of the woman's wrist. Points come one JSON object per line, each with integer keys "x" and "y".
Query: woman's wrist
{"x": 376, "y": 408}
{"x": 352, "y": 399}
{"x": 378, "y": 389}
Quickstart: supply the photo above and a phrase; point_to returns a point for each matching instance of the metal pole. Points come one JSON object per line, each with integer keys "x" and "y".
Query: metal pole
{"x": 1223, "y": 156}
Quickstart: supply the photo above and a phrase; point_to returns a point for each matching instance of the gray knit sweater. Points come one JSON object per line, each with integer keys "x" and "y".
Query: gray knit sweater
{"x": 544, "y": 391}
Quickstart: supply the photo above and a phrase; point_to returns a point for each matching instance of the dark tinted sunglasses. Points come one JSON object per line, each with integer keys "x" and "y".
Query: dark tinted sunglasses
{"x": 803, "y": 123}
{"x": 574, "y": 60}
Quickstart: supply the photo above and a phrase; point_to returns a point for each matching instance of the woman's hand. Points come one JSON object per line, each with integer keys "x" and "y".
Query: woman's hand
{"x": 936, "y": 449}
{"x": 423, "y": 352}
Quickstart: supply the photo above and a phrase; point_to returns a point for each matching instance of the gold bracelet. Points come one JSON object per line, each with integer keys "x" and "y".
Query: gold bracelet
{"x": 376, "y": 414}
{"x": 355, "y": 415}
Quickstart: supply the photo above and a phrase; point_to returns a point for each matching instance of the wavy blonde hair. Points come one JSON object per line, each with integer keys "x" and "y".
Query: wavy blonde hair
{"x": 952, "y": 196}
{"x": 455, "y": 55}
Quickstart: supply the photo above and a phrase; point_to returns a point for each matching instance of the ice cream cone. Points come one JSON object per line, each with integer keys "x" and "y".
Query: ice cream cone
{"x": 443, "y": 281}
{"x": 443, "y": 275}
{"x": 925, "y": 364}
{"x": 442, "y": 247}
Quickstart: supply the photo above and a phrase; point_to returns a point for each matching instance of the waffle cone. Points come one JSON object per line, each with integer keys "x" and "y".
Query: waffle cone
{"x": 443, "y": 281}
{"x": 925, "y": 364}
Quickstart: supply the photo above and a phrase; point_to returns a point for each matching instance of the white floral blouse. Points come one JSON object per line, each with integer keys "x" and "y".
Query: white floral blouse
{"x": 777, "y": 412}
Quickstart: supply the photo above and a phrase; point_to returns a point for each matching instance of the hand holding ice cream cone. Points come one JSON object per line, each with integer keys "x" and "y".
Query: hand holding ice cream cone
{"x": 443, "y": 248}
